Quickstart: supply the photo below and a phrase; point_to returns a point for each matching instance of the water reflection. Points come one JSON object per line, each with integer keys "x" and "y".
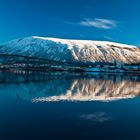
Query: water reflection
{"x": 96, "y": 117}
{"x": 95, "y": 89}
{"x": 51, "y": 87}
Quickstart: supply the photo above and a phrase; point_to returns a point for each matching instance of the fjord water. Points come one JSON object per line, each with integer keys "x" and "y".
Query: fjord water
{"x": 69, "y": 106}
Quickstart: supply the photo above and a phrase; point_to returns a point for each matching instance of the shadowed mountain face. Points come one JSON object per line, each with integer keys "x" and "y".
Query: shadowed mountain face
{"x": 51, "y": 87}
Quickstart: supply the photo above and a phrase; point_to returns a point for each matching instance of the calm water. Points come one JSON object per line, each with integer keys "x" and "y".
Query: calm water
{"x": 69, "y": 106}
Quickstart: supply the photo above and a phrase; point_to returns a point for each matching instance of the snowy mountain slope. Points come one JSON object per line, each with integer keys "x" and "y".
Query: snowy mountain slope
{"x": 73, "y": 51}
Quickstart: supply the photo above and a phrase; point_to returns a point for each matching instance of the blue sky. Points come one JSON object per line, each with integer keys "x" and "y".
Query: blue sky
{"x": 112, "y": 20}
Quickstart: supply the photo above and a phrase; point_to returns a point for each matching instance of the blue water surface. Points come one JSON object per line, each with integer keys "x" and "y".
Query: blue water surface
{"x": 71, "y": 106}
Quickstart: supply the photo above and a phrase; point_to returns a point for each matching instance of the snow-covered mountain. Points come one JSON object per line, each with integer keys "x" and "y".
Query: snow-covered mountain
{"x": 70, "y": 54}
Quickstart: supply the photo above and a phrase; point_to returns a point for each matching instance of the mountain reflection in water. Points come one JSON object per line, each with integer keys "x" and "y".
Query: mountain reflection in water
{"x": 50, "y": 87}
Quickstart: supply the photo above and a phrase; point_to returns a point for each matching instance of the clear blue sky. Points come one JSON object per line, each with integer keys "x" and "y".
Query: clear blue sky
{"x": 113, "y": 20}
